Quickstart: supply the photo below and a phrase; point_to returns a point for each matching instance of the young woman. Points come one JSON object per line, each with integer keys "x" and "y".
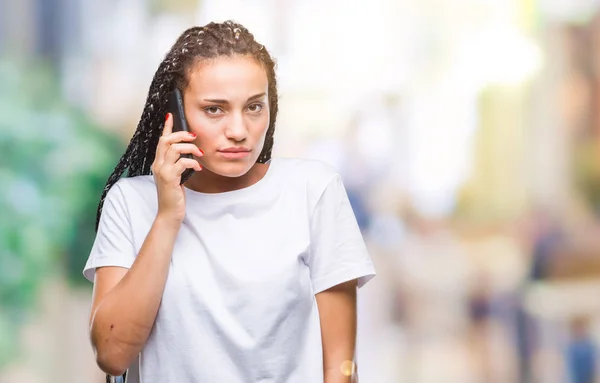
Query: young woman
{"x": 248, "y": 271}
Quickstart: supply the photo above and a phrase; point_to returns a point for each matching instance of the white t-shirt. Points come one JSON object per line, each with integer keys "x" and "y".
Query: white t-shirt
{"x": 239, "y": 302}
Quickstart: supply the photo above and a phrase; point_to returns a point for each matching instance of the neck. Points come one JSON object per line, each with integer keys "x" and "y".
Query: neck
{"x": 206, "y": 181}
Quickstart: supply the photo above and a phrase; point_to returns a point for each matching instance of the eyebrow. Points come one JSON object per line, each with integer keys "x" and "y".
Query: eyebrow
{"x": 220, "y": 101}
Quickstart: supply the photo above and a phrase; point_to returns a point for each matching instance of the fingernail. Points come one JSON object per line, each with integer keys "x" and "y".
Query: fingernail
{"x": 193, "y": 135}
{"x": 201, "y": 151}
{"x": 167, "y": 117}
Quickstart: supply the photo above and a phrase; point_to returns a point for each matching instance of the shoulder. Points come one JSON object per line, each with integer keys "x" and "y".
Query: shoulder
{"x": 312, "y": 176}
{"x": 306, "y": 170}
{"x": 131, "y": 188}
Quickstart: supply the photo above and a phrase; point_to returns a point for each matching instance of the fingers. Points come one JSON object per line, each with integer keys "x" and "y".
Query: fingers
{"x": 186, "y": 163}
{"x": 176, "y": 150}
{"x": 172, "y": 172}
{"x": 165, "y": 142}
{"x": 168, "y": 128}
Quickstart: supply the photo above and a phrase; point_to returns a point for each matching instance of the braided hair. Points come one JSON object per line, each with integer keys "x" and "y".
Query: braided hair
{"x": 195, "y": 44}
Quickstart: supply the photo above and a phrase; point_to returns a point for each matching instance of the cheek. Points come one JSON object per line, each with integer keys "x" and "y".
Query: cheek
{"x": 261, "y": 126}
{"x": 205, "y": 140}
{"x": 205, "y": 130}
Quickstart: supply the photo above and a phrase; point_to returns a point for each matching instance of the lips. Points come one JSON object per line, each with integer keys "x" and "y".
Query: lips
{"x": 234, "y": 150}
{"x": 234, "y": 153}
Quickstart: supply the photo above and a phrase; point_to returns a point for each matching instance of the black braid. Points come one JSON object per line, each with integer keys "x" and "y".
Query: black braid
{"x": 210, "y": 41}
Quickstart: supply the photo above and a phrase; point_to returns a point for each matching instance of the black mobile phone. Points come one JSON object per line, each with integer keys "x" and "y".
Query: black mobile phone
{"x": 175, "y": 107}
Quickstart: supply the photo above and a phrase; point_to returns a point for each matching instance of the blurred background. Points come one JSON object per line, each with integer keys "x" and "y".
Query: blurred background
{"x": 467, "y": 133}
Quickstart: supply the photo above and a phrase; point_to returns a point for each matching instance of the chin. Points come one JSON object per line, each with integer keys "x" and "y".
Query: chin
{"x": 232, "y": 169}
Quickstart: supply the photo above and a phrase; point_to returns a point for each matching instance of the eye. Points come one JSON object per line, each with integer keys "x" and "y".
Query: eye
{"x": 213, "y": 110}
{"x": 255, "y": 108}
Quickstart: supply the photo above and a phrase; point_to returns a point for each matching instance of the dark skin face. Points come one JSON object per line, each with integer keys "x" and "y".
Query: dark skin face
{"x": 226, "y": 106}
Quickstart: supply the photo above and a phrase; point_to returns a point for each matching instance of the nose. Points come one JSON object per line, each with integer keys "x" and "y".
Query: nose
{"x": 236, "y": 129}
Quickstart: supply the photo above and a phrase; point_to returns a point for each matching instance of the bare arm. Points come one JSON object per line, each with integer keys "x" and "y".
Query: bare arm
{"x": 337, "y": 311}
{"x": 125, "y": 303}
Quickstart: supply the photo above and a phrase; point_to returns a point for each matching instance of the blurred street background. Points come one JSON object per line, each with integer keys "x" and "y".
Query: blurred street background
{"x": 467, "y": 133}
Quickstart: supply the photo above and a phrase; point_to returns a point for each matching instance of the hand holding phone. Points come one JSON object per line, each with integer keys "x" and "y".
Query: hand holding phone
{"x": 175, "y": 154}
{"x": 175, "y": 107}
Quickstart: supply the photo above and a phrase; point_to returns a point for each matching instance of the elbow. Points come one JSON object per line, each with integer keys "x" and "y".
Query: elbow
{"x": 109, "y": 357}
{"x": 114, "y": 355}
{"x": 110, "y": 363}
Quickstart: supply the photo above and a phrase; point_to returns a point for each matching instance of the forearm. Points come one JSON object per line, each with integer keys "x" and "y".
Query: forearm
{"x": 337, "y": 376}
{"x": 337, "y": 311}
{"x": 340, "y": 370}
{"x": 123, "y": 320}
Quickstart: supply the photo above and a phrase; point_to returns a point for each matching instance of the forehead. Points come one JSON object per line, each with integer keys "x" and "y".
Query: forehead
{"x": 228, "y": 75}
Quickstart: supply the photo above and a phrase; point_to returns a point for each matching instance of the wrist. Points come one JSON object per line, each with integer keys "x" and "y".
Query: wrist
{"x": 346, "y": 373}
{"x": 167, "y": 222}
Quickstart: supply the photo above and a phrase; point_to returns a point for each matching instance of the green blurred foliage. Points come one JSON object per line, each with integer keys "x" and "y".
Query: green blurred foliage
{"x": 53, "y": 165}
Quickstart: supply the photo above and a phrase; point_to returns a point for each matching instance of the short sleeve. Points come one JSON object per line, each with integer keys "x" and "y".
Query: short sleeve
{"x": 113, "y": 245}
{"x": 337, "y": 252}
